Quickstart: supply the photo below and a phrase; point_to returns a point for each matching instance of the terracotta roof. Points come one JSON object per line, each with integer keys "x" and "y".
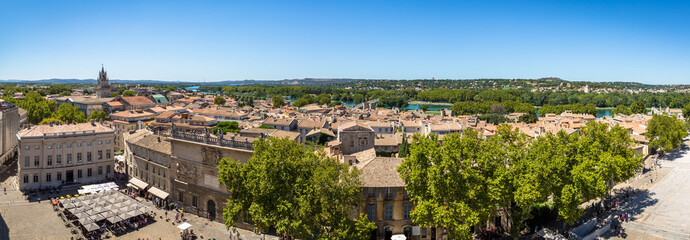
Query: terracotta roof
{"x": 381, "y": 172}
{"x": 166, "y": 115}
{"x": 355, "y": 126}
{"x": 150, "y": 141}
{"x": 137, "y": 100}
{"x": 131, "y": 114}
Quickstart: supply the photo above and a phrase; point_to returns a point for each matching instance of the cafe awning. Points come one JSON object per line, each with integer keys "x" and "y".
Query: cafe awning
{"x": 138, "y": 184}
{"x": 158, "y": 193}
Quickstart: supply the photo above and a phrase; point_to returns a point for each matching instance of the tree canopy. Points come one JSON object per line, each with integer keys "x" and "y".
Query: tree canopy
{"x": 129, "y": 93}
{"x": 302, "y": 194}
{"x": 463, "y": 181}
{"x": 69, "y": 114}
{"x": 665, "y": 133}
{"x": 226, "y": 127}
{"x": 278, "y": 101}
{"x": 218, "y": 100}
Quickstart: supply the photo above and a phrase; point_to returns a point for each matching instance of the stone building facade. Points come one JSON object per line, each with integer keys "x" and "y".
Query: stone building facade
{"x": 51, "y": 155}
{"x": 195, "y": 184}
{"x": 355, "y": 137}
{"x": 9, "y": 126}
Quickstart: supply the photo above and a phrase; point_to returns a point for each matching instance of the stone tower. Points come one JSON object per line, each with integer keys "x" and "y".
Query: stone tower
{"x": 103, "y": 88}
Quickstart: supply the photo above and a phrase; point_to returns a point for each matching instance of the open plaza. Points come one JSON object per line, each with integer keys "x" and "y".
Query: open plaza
{"x": 24, "y": 216}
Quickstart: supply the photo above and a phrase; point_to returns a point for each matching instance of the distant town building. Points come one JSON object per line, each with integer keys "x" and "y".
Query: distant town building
{"x": 126, "y": 121}
{"x": 51, "y": 155}
{"x": 103, "y": 89}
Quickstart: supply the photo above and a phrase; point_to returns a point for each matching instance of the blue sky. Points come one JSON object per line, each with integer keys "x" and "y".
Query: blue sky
{"x": 642, "y": 41}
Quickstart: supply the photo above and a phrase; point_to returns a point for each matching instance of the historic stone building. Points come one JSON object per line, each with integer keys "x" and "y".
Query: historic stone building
{"x": 103, "y": 88}
{"x": 9, "y": 126}
{"x": 194, "y": 180}
{"x": 51, "y": 155}
{"x": 148, "y": 159}
{"x": 387, "y": 204}
{"x": 355, "y": 137}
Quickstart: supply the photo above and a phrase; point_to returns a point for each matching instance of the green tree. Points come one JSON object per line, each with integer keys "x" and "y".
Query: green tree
{"x": 301, "y": 194}
{"x": 226, "y": 127}
{"x": 665, "y": 133}
{"x": 218, "y": 100}
{"x": 37, "y": 108}
{"x": 129, "y": 93}
{"x": 447, "y": 183}
{"x": 404, "y": 148}
{"x": 358, "y": 98}
{"x": 68, "y": 114}
{"x": 50, "y": 120}
{"x": 622, "y": 109}
{"x": 98, "y": 116}
{"x": 65, "y": 93}
{"x": 638, "y": 107}
{"x": 278, "y": 101}
{"x": 300, "y": 102}
{"x": 264, "y": 126}
{"x": 528, "y": 118}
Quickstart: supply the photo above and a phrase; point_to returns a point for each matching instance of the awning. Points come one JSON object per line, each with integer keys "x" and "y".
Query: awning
{"x": 138, "y": 183}
{"x": 184, "y": 226}
{"x": 158, "y": 193}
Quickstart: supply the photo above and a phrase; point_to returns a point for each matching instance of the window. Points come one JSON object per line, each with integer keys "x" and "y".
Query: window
{"x": 88, "y": 156}
{"x": 107, "y": 154}
{"x": 405, "y": 194}
{"x": 100, "y": 154}
{"x": 37, "y": 160}
{"x": 88, "y": 172}
{"x": 107, "y": 169}
{"x": 48, "y": 177}
{"x": 78, "y": 144}
{"x": 58, "y": 159}
{"x": 59, "y": 176}
{"x": 69, "y": 145}
{"x": 79, "y": 173}
{"x": 88, "y": 144}
{"x": 50, "y": 160}
{"x": 407, "y": 207}
{"x": 389, "y": 192}
{"x": 388, "y": 212}
{"x": 371, "y": 212}
{"x": 194, "y": 201}
{"x": 58, "y": 146}
{"x": 100, "y": 170}
{"x": 69, "y": 158}
{"x": 26, "y": 178}
{"x": 27, "y": 161}
{"x": 78, "y": 157}
{"x": 26, "y": 147}
{"x": 423, "y": 232}
{"x": 107, "y": 142}
{"x": 180, "y": 197}
{"x": 372, "y": 192}
{"x": 37, "y": 147}
{"x": 50, "y": 146}
{"x": 100, "y": 142}
{"x": 35, "y": 177}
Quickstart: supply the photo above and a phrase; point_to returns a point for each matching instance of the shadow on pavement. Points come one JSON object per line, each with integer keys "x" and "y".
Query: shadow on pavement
{"x": 4, "y": 230}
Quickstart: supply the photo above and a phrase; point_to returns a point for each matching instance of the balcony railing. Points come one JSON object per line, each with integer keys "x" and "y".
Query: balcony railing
{"x": 180, "y": 134}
